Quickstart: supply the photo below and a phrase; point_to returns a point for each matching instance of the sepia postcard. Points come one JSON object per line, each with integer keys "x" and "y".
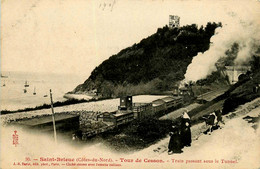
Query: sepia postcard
{"x": 130, "y": 84}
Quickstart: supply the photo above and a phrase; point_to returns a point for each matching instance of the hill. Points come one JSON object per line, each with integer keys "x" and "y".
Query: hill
{"x": 151, "y": 66}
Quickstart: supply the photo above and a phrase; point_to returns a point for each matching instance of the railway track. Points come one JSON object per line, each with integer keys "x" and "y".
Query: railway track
{"x": 206, "y": 96}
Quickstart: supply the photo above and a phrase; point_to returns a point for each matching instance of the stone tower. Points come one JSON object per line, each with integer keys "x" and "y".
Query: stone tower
{"x": 174, "y": 21}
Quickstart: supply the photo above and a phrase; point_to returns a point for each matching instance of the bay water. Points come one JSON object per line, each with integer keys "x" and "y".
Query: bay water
{"x": 13, "y": 97}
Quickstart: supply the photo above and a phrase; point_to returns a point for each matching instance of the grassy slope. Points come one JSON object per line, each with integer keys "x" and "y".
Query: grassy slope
{"x": 152, "y": 65}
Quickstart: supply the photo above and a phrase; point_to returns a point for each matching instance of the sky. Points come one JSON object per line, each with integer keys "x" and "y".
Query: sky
{"x": 75, "y": 36}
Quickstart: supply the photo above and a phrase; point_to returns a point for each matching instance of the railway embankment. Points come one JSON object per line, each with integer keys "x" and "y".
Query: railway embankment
{"x": 199, "y": 129}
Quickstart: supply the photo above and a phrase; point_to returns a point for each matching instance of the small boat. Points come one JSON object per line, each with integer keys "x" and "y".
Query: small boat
{"x": 34, "y": 92}
{"x": 24, "y": 90}
{"x": 45, "y": 95}
{"x": 4, "y": 83}
{"x": 26, "y": 84}
{"x": 2, "y": 76}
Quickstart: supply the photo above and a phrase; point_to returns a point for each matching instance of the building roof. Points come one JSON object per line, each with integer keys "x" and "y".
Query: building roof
{"x": 140, "y": 104}
{"x": 168, "y": 99}
{"x": 122, "y": 114}
{"x": 157, "y": 104}
{"x": 46, "y": 119}
{"x": 158, "y": 101}
{"x": 183, "y": 88}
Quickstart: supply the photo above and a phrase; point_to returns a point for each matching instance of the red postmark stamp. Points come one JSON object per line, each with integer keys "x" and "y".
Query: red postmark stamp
{"x": 15, "y": 138}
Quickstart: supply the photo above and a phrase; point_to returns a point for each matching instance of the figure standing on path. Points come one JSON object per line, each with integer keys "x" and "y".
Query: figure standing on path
{"x": 185, "y": 130}
{"x": 175, "y": 144}
{"x": 218, "y": 113}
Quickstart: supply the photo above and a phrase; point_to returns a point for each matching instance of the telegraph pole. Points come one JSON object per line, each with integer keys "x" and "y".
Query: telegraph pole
{"x": 53, "y": 118}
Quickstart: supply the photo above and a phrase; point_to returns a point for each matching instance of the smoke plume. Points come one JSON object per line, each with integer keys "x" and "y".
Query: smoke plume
{"x": 246, "y": 33}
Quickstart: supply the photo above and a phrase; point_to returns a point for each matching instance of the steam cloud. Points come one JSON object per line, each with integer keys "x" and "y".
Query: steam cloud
{"x": 246, "y": 33}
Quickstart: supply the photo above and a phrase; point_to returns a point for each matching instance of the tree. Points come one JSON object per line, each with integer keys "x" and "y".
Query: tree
{"x": 107, "y": 89}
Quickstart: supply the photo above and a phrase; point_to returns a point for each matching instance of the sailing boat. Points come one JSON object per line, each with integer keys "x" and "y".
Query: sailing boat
{"x": 26, "y": 84}
{"x": 34, "y": 92}
{"x": 2, "y": 76}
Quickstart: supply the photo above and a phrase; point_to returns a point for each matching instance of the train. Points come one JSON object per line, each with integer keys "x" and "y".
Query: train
{"x": 129, "y": 111}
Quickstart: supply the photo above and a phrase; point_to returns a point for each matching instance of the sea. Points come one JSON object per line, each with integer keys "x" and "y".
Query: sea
{"x": 13, "y": 97}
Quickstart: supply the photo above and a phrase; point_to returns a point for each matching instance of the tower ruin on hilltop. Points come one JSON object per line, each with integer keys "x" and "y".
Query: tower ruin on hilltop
{"x": 174, "y": 21}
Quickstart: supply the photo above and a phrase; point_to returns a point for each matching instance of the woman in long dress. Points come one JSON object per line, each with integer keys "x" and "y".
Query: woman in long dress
{"x": 175, "y": 144}
{"x": 185, "y": 130}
